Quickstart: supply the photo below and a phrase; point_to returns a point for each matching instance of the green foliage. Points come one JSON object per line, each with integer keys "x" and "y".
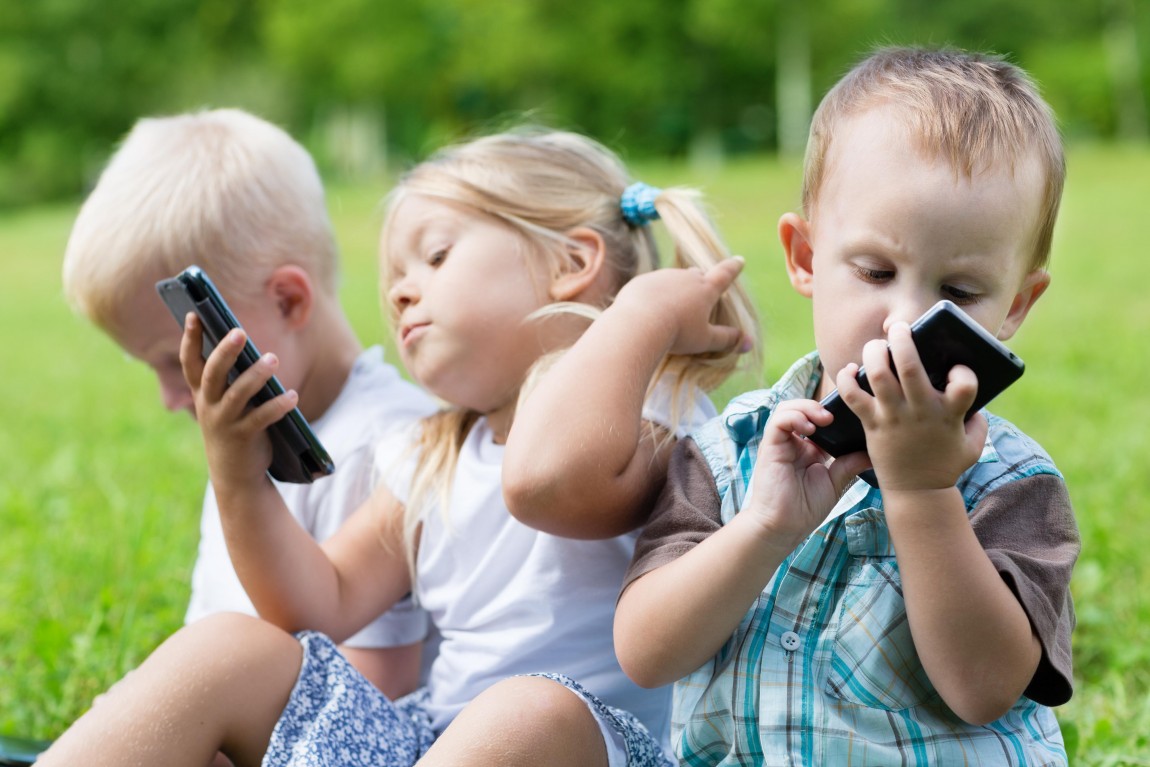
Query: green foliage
{"x": 100, "y": 494}
{"x": 663, "y": 77}
{"x": 75, "y": 75}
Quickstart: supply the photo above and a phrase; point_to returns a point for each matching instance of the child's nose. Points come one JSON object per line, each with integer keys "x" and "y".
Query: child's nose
{"x": 403, "y": 293}
{"x": 904, "y": 311}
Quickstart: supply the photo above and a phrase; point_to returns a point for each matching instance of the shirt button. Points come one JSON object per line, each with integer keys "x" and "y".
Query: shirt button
{"x": 790, "y": 641}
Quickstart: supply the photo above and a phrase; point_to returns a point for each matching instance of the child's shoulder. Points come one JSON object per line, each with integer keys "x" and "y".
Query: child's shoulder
{"x": 1008, "y": 455}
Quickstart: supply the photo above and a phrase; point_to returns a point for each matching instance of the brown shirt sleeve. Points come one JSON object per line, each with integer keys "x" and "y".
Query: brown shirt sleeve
{"x": 686, "y": 512}
{"x": 1036, "y": 562}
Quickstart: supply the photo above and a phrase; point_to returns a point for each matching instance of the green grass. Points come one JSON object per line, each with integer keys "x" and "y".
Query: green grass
{"x": 100, "y": 488}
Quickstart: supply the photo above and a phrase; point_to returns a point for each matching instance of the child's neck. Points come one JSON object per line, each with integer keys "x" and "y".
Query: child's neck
{"x": 826, "y": 384}
{"x": 337, "y": 348}
{"x": 499, "y": 422}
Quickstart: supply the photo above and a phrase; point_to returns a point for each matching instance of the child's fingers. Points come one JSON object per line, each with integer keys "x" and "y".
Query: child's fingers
{"x": 192, "y": 351}
{"x": 976, "y": 429}
{"x": 724, "y": 337}
{"x": 273, "y": 410}
{"x": 845, "y": 468}
{"x": 852, "y": 394}
{"x": 961, "y": 387}
{"x": 214, "y": 380}
{"x": 912, "y": 377}
{"x": 883, "y": 381}
{"x": 723, "y": 274}
{"x": 798, "y": 416}
{"x": 248, "y": 384}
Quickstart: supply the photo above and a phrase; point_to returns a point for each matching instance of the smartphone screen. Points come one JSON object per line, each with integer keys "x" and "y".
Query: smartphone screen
{"x": 297, "y": 455}
{"x": 945, "y": 336}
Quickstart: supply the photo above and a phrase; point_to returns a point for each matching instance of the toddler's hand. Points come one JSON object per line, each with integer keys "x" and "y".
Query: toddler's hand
{"x": 916, "y": 435}
{"x": 795, "y": 485}
{"x": 235, "y": 439}
{"x": 684, "y": 299}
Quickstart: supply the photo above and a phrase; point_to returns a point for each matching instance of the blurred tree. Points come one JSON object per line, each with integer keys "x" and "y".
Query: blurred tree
{"x": 738, "y": 94}
{"x": 794, "y": 77}
{"x": 381, "y": 58}
{"x": 1121, "y": 39}
{"x": 435, "y": 69}
{"x": 357, "y": 78}
{"x": 75, "y": 75}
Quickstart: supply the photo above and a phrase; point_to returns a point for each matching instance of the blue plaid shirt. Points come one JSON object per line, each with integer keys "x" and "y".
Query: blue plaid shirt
{"x": 822, "y": 669}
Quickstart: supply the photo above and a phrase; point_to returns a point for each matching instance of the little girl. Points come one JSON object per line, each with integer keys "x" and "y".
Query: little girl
{"x": 494, "y": 254}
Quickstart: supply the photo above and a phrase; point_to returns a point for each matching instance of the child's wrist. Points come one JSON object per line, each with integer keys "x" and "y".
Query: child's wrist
{"x": 920, "y": 503}
{"x": 771, "y": 541}
{"x": 904, "y": 476}
{"x": 647, "y": 319}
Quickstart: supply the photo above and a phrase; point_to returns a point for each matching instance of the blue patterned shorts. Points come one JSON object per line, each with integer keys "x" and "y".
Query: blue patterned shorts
{"x": 335, "y": 717}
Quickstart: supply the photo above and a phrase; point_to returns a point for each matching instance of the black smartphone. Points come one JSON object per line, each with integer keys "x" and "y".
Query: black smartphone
{"x": 297, "y": 455}
{"x": 945, "y": 336}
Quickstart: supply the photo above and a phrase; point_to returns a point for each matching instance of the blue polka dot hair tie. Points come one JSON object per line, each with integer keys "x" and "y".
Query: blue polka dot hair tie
{"x": 638, "y": 203}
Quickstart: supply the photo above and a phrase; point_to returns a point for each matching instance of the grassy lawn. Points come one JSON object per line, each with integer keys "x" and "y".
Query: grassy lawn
{"x": 100, "y": 488}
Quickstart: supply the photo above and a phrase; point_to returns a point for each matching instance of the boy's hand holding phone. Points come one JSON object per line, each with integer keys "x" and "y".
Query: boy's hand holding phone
{"x": 803, "y": 488}
{"x": 917, "y": 437}
{"x": 235, "y": 438}
{"x": 948, "y": 360}
{"x": 296, "y": 452}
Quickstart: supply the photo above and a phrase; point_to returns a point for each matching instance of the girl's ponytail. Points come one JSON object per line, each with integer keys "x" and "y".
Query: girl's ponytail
{"x": 696, "y": 243}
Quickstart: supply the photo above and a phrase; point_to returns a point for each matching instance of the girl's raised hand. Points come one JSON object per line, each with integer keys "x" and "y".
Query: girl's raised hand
{"x": 235, "y": 439}
{"x": 684, "y": 299}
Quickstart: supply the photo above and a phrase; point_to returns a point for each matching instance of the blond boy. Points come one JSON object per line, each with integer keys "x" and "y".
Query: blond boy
{"x": 239, "y": 197}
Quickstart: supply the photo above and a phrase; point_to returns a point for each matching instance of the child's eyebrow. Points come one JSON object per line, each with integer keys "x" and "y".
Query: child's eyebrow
{"x": 430, "y": 226}
{"x": 399, "y": 247}
{"x": 874, "y": 244}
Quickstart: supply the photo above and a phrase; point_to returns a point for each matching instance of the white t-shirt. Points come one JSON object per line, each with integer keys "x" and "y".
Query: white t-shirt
{"x": 375, "y": 401}
{"x": 508, "y": 599}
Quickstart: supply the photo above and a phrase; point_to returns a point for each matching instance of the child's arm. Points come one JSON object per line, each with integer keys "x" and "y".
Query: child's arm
{"x": 971, "y": 633}
{"x": 673, "y": 619}
{"x": 580, "y": 460}
{"x": 291, "y": 580}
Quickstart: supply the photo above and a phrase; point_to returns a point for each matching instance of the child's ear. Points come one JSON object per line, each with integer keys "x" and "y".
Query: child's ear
{"x": 1033, "y": 286}
{"x": 795, "y": 235}
{"x": 294, "y": 295}
{"x": 583, "y": 265}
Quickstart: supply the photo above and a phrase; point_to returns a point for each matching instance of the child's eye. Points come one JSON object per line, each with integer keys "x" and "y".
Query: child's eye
{"x": 958, "y": 295}
{"x": 437, "y": 256}
{"x": 869, "y": 274}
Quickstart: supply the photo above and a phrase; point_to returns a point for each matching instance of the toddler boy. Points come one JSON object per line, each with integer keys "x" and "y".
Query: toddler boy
{"x": 809, "y": 617}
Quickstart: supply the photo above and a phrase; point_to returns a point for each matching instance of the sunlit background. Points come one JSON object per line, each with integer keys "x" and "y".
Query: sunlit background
{"x": 100, "y": 489}
{"x": 365, "y": 83}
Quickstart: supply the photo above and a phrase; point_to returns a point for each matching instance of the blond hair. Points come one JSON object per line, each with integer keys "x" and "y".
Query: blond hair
{"x": 222, "y": 189}
{"x": 545, "y": 183}
{"x": 973, "y": 110}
